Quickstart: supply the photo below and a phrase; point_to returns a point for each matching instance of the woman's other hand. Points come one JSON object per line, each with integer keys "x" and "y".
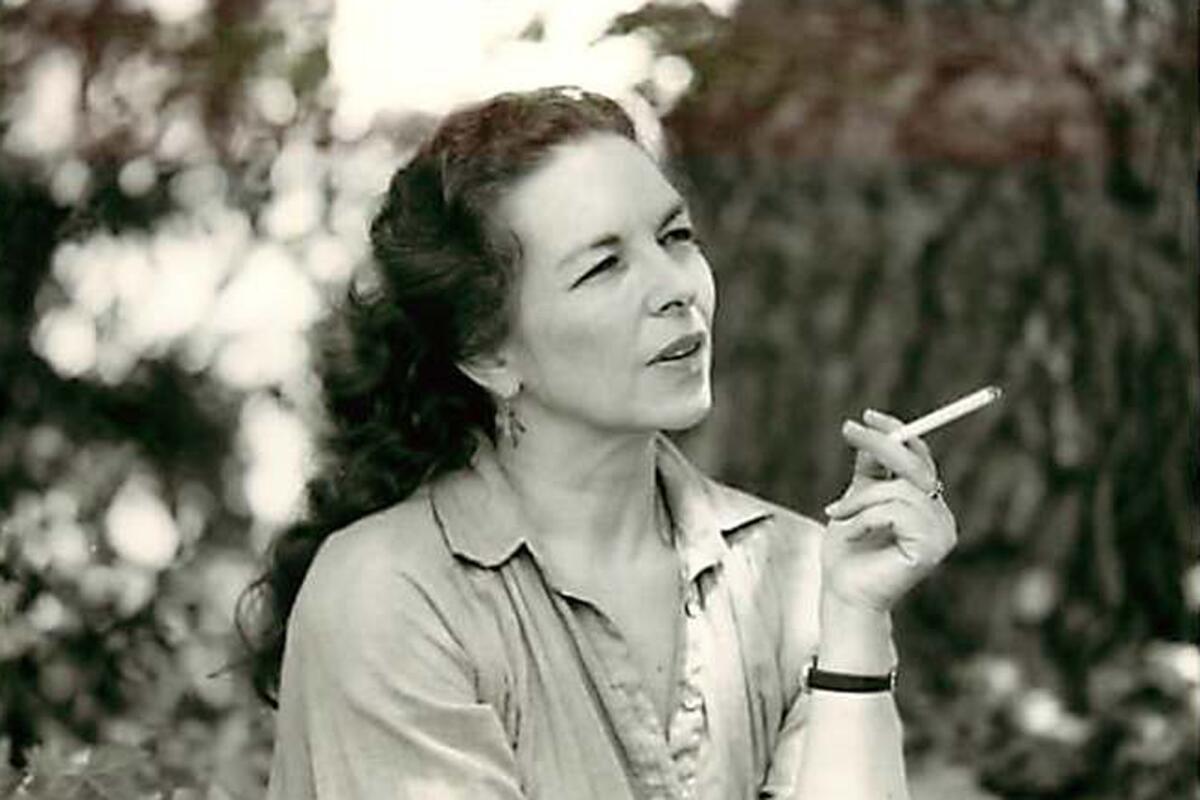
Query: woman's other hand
{"x": 891, "y": 527}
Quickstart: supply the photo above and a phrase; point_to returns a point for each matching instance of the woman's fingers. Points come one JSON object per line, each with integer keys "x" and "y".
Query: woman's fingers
{"x": 874, "y": 494}
{"x": 890, "y": 528}
{"x": 881, "y": 420}
{"x": 866, "y": 465}
{"x": 876, "y": 446}
{"x": 919, "y": 538}
{"x": 887, "y": 423}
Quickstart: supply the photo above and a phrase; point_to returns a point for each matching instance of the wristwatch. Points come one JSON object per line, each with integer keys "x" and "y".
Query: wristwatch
{"x": 848, "y": 682}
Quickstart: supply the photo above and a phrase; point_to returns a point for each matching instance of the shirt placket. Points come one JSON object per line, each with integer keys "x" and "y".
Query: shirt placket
{"x": 688, "y": 724}
{"x": 616, "y": 679}
{"x": 663, "y": 768}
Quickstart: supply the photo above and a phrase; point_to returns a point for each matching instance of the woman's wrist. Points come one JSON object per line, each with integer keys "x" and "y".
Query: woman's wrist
{"x": 854, "y": 639}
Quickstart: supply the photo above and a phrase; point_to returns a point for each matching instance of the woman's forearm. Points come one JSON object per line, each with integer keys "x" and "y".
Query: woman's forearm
{"x": 854, "y": 745}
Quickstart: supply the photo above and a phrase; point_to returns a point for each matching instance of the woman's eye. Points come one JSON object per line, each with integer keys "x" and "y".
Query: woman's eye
{"x": 607, "y": 263}
{"x": 677, "y": 235}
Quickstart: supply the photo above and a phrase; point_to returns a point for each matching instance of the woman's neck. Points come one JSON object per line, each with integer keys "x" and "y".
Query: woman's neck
{"x": 590, "y": 495}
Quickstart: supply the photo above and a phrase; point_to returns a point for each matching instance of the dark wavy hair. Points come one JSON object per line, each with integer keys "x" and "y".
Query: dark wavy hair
{"x": 398, "y": 410}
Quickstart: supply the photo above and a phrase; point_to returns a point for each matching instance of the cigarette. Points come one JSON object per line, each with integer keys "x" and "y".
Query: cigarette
{"x": 947, "y": 413}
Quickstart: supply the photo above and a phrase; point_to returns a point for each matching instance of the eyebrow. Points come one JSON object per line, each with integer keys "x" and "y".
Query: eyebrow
{"x": 610, "y": 239}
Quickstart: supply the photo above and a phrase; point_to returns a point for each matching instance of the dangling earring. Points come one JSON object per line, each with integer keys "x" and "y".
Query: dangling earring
{"x": 507, "y": 422}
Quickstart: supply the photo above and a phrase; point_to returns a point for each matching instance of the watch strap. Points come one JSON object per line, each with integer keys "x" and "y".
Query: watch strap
{"x": 849, "y": 682}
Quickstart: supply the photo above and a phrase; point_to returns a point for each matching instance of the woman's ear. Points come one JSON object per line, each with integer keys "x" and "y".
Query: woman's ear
{"x": 493, "y": 372}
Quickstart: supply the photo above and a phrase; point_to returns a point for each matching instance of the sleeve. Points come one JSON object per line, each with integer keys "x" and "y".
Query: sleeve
{"x": 378, "y": 700}
{"x": 796, "y": 569}
{"x": 789, "y": 749}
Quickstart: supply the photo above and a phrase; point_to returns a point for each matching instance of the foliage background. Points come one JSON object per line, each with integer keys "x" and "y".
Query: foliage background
{"x": 903, "y": 201}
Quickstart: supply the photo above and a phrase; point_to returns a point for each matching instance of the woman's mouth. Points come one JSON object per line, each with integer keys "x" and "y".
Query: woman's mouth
{"x": 680, "y": 349}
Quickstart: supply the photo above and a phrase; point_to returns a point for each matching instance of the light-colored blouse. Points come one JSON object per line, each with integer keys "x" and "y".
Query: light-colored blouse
{"x": 433, "y": 653}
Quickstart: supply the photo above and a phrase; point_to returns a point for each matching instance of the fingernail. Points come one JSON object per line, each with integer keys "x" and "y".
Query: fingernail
{"x": 829, "y": 509}
{"x": 847, "y": 425}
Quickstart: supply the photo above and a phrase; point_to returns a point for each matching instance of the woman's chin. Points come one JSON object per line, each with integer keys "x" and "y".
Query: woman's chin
{"x": 687, "y": 416}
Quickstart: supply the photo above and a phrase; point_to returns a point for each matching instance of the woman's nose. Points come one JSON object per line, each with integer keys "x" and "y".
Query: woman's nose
{"x": 674, "y": 286}
{"x": 676, "y": 304}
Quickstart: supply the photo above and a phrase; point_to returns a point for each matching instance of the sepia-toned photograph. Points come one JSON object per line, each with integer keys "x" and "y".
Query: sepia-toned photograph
{"x": 599, "y": 400}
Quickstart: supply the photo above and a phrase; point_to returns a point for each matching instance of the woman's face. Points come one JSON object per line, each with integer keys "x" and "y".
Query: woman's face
{"x": 611, "y": 278}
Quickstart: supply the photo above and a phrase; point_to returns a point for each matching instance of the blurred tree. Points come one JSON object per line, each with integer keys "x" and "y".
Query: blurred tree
{"x": 124, "y": 530}
{"x": 906, "y": 201}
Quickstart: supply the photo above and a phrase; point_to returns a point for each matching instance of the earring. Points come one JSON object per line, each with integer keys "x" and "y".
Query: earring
{"x": 508, "y": 424}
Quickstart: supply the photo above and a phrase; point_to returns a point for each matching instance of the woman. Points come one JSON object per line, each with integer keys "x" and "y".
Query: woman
{"x": 513, "y": 585}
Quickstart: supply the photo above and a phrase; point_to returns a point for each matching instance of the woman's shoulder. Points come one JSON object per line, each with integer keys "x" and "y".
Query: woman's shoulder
{"x": 749, "y": 519}
{"x": 774, "y": 570}
{"x": 402, "y": 535}
{"x": 776, "y": 542}
{"x": 380, "y": 599}
{"x": 377, "y": 559}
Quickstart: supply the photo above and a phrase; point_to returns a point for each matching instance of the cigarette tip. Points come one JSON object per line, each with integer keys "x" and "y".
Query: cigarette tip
{"x": 994, "y": 393}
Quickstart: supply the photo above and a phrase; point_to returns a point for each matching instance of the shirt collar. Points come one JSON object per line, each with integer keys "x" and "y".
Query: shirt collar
{"x": 482, "y": 522}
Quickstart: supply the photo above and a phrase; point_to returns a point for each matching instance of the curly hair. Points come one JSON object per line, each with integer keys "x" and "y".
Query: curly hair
{"x": 399, "y": 411}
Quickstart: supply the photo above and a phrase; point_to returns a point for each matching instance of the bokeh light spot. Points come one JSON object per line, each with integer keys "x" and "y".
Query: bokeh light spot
{"x": 1191, "y": 587}
{"x": 174, "y": 12}
{"x": 277, "y": 448}
{"x": 274, "y": 99}
{"x": 66, "y": 339}
{"x": 45, "y": 115}
{"x": 137, "y": 177}
{"x": 269, "y": 293}
{"x": 70, "y": 182}
{"x": 139, "y": 526}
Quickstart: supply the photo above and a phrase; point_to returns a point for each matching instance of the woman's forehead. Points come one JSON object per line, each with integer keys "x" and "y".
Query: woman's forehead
{"x": 596, "y": 186}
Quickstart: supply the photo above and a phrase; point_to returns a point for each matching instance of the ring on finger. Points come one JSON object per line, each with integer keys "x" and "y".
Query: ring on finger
{"x": 935, "y": 494}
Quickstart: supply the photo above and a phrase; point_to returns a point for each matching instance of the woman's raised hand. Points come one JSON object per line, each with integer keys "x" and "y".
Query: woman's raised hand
{"x": 890, "y": 527}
